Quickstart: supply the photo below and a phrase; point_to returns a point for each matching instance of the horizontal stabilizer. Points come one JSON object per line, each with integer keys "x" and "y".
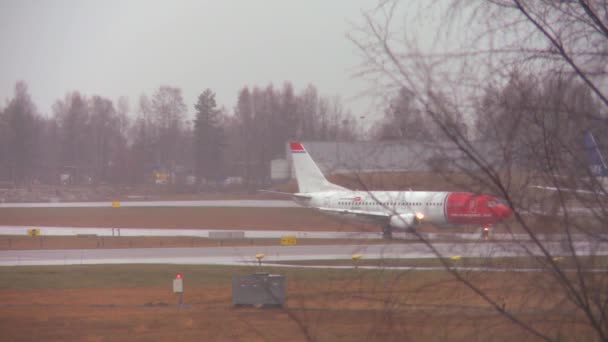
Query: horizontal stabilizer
{"x": 296, "y": 195}
{"x": 357, "y": 212}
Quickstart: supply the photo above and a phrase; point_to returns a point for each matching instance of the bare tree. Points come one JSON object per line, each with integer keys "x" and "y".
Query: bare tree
{"x": 244, "y": 112}
{"x": 402, "y": 120}
{"x": 168, "y": 112}
{"x": 72, "y": 115}
{"x": 105, "y": 129}
{"x": 555, "y": 46}
{"x": 120, "y": 160}
{"x": 310, "y": 121}
{"x": 142, "y": 147}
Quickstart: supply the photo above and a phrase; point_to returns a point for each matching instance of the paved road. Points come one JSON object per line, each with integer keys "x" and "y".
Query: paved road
{"x": 246, "y": 255}
{"x": 208, "y": 203}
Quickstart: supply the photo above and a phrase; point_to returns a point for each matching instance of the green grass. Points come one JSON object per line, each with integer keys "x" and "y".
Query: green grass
{"x": 514, "y": 262}
{"x": 150, "y": 276}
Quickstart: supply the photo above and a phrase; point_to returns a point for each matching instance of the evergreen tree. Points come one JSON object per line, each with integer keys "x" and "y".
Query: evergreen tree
{"x": 20, "y": 130}
{"x": 208, "y": 138}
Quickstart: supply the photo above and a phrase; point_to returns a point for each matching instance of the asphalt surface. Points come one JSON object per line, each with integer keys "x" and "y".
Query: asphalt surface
{"x": 507, "y": 245}
{"x": 205, "y": 203}
{"x": 276, "y": 234}
{"x": 246, "y": 255}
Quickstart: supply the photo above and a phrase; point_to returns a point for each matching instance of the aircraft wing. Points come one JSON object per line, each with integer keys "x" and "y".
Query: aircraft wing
{"x": 552, "y": 188}
{"x": 371, "y": 214}
{"x": 597, "y": 167}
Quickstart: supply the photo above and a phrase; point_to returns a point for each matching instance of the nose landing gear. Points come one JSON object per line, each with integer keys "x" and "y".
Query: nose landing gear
{"x": 485, "y": 233}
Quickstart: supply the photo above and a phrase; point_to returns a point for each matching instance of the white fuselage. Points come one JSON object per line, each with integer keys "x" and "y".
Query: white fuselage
{"x": 431, "y": 204}
{"x": 392, "y": 209}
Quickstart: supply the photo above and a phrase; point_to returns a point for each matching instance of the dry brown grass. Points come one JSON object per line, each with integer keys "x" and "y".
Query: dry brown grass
{"x": 185, "y": 217}
{"x": 289, "y": 219}
{"x": 360, "y": 306}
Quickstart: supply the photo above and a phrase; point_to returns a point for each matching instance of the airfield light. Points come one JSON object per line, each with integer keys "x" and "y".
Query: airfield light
{"x": 260, "y": 256}
{"x": 356, "y": 258}
{"x": 178, "y": 276}
{"x": 485, "y": 234}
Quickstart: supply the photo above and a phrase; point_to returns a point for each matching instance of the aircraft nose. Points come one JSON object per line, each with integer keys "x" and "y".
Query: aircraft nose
{"x": 504, "y": 211}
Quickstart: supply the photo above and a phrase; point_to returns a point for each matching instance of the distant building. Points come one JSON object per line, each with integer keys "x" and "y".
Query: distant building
{"x": 343, "y": 157}
{"x": 279, "y": 170}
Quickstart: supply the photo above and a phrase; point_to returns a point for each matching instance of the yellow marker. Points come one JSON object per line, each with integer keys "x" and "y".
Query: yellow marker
{"x": 456, "y": 257}
{"x": 260, "y": 256}
{"x": 33, "y": 232}
{"x": 356, "y": 257}
{"x": 115, "y": 204}
{"x": 288, "y": 240}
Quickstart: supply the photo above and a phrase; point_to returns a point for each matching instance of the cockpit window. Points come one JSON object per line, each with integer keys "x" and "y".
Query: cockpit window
{"x": 494, "y": 203}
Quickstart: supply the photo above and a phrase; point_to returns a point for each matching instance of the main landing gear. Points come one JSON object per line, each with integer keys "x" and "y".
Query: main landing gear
{"x": 387, "y": 233}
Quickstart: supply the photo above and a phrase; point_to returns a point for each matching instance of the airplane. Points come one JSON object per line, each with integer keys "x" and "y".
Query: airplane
{"x": 597, "y": 169}
{"x": 394, "y": 210}
{"x": 597, "y": 166}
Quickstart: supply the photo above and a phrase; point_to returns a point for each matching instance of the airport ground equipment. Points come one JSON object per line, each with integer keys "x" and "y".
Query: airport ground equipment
{"x": 261, "y": 289}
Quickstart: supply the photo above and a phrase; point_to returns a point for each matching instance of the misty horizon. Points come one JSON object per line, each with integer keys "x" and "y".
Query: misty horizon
{"x": 126, "y": 49}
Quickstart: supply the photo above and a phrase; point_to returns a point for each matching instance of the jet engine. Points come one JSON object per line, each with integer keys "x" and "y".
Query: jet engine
{"x": 406, "y": 221}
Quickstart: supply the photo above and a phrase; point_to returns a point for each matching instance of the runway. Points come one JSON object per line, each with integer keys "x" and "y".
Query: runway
{"x": 202, "y": 203}
{"x": 505, "y": 245}
{"x": 277, "y": 234}
{"x": 204, "y": 233}
{"x": 246, "y": 255}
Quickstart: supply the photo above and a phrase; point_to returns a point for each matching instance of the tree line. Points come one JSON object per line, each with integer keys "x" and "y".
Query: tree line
{"x": 92, "y": 139}
{"x": 97, "y": 140}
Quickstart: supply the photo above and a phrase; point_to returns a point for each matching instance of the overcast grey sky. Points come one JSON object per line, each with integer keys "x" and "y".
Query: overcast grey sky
{"x": 126, "y": 48}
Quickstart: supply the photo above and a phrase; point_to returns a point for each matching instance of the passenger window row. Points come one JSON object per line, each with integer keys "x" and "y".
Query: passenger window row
{"x": 386, "y": 203}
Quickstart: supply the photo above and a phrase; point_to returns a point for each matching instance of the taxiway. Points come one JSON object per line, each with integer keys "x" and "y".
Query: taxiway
{"x": 246, "y": 255}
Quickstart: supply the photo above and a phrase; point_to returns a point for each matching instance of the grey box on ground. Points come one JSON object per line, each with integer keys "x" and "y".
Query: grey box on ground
{"x": 178, "y": 285}
{"x": 259, "y": 289}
